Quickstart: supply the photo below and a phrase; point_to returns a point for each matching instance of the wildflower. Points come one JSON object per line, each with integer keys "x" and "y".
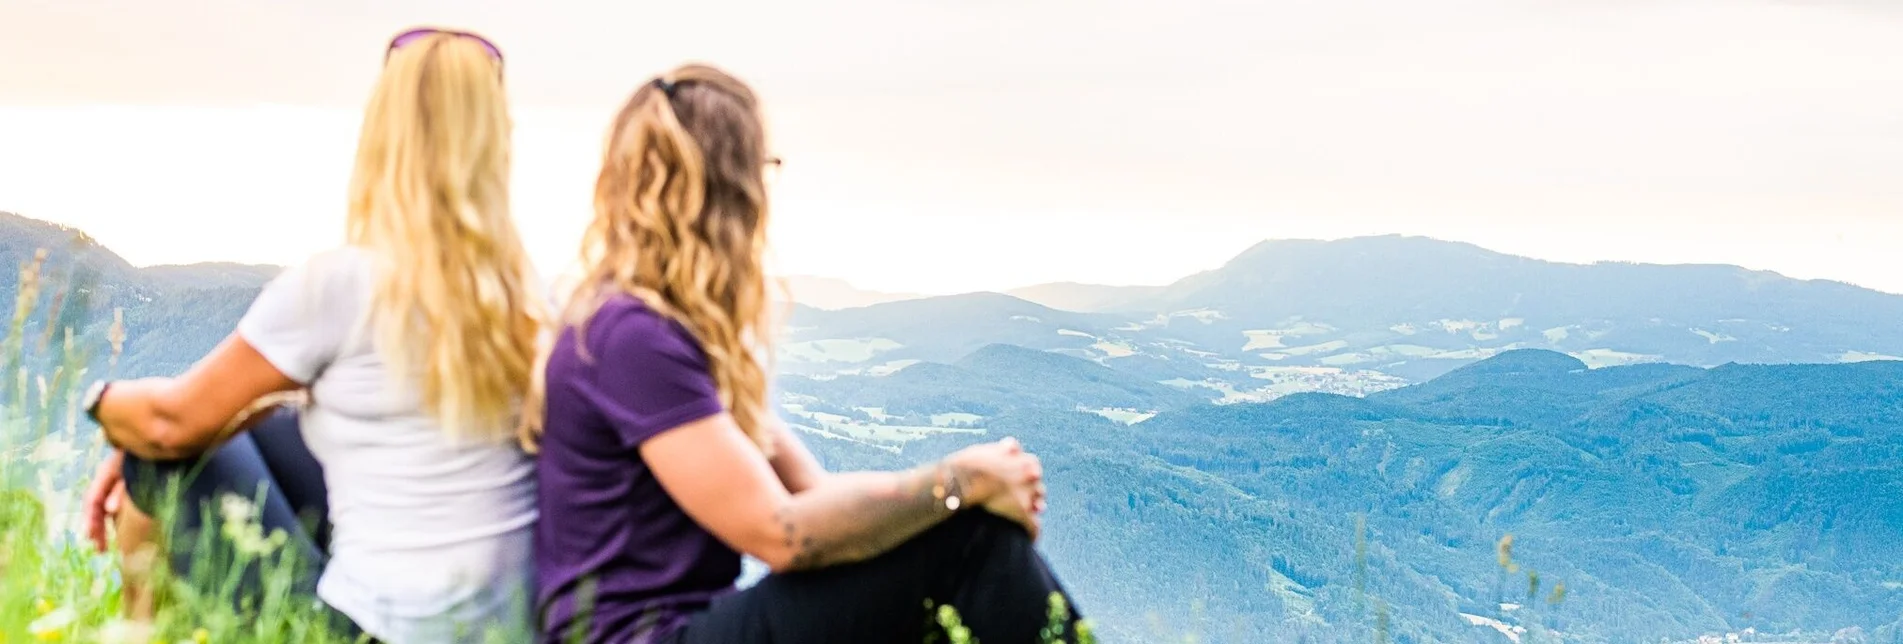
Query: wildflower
{"x": 42, "y": 606}
{"x": 201, "y": 636}
{"x": 954, "y": 627}
{"x": 51, "y": 627}
{"x": 120, "y": 631}
{"x": 242, "y": 528}
{"x": 1085, "y": 635}
{"x": 235, "y": 509}
{"x": 116, "y": 335}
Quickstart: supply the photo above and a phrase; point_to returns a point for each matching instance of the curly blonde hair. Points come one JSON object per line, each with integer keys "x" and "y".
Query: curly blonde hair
{"x": 680, "y": 222}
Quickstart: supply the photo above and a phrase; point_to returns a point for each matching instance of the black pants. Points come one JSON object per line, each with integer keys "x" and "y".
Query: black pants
{"x": 982, "y": 566}
{"x": 270, "y": 462}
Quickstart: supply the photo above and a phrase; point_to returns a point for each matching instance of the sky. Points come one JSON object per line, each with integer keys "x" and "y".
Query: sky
{"x": 942, "y": 146}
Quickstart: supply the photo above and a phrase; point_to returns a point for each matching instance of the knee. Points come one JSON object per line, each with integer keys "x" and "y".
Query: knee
{"x": 143, "y": 480}
{"x": 153, "y": 486}
{"x": 981, "y": 527}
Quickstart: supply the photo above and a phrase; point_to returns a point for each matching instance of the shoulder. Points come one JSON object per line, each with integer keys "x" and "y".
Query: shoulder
{"x": 343, "y": 262}
{"x": 625, "y": 330}
{"x": 625, "y": 317}
{"x": 337, "y": 268}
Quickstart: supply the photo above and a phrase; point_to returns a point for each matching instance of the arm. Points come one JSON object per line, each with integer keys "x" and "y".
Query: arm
{"x": 170, "y": 418}
{"x": 652, "y": 383}
{"x": 721, "y": 480}
{"x": 792, "y": 462}
{"x": 291, "y": 331}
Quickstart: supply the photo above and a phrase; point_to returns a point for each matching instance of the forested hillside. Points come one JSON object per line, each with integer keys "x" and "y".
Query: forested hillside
{"x": 1669, "y": 502}
{"x": 171, "y": 314}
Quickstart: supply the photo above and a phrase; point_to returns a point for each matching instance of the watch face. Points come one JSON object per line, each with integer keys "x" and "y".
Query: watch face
{"x": 91, "y": 403}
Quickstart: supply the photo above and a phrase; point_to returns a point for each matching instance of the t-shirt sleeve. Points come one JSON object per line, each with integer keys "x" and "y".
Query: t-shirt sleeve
{"x": 301, "y": 318}
{"x": 651, "y": 376}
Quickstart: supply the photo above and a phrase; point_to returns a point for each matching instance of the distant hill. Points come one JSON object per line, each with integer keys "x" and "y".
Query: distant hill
{"x": 991, "y": 381}
{"x": 832, "y": 294}
{"x": 937, "y": 329}
{"x": 1407, "y": 291}
{"x": 212, "y": 275}
{"x": 1357, "y": 316}
{"x": 1086, "y": 298}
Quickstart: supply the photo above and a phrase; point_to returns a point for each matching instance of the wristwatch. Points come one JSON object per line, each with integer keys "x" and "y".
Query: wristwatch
{"x": 94, "y": 394}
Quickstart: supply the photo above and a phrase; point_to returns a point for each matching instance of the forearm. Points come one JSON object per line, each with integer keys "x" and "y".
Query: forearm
{"x": 793, "y": 463}
{"x": 855, "y": 516}
{"x": 134, "y": 420}
{"x": 145, "y": 418}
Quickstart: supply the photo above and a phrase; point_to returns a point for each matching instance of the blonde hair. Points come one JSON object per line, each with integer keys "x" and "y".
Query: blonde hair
{"x": 454, "y": 305}
{"x": 680, "y": 222}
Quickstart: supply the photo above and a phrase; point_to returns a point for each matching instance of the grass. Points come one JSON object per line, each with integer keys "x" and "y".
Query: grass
{"x": 55, "y": 588}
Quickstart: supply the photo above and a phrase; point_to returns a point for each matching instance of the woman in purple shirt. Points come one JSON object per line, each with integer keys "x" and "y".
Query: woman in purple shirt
{"x": 660, "y": 463}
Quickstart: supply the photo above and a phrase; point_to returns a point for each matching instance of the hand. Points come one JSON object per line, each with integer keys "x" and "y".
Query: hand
{"x": 1003, "y": 479}
{"x": 103, "y": 498}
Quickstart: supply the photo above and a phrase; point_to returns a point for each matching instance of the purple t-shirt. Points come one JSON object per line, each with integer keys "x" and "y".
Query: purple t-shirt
{"x": 605, "y": 519}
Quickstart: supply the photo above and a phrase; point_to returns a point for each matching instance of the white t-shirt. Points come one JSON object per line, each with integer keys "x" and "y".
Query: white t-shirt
{"x": 430, "y": 535}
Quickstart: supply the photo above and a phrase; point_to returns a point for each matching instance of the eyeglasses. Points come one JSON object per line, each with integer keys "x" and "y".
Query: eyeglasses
{"x": 403, "y": 39}
{"x": 772, "y": 169}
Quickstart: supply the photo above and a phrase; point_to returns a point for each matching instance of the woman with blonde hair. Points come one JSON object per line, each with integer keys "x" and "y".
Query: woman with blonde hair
{"x": 660, "y": 462}
{"x": 415, "y": 341}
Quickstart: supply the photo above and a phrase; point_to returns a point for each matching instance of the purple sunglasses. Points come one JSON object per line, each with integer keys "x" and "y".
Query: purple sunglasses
{"x": 414, "y": 35}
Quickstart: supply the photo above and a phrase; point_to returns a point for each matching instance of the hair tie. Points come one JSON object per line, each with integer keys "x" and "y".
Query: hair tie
{"x": 665, "y": 87}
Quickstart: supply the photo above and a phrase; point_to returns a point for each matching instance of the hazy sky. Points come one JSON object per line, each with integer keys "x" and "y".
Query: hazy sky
{"x": 951, "y": 145}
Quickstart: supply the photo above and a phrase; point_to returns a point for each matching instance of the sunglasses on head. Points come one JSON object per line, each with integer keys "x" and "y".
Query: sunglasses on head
{"x": 414, "y": 35}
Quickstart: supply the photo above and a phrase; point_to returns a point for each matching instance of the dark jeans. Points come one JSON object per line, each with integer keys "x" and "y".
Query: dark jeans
{"x": 983, "y": 566}
{"x": 270, "y": 459}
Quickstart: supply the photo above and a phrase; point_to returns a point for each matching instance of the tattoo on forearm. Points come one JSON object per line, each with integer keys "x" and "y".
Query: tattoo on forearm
{"x": 859, "y": 520}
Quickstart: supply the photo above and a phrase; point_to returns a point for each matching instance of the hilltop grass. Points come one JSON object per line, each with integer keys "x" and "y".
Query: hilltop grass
{"x": 55, "y": 588}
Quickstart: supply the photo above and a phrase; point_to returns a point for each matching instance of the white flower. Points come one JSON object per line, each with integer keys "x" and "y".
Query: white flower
{"x": 236, "y": 509}
{"x": 52, "y": 623}
{"x": 242, "y": 528}
{"x": 121, "y": 631}
{"x": 54, "y": 451}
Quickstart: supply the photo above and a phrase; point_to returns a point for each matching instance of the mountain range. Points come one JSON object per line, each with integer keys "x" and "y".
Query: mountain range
{"x": 1361, "y": 315}
{"x": 1379, "y": 439}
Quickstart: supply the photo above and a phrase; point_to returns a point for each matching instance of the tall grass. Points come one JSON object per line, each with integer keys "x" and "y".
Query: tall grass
{"x": 53, "y": 586}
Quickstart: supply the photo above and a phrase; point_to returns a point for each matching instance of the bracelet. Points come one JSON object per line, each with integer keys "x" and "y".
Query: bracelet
{"x": 946, "y": 491}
